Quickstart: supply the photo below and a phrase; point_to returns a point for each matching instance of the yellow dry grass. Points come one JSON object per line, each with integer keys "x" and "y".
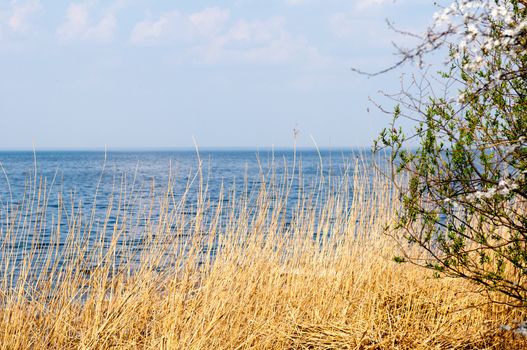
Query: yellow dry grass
{"x": 237, "y": 272}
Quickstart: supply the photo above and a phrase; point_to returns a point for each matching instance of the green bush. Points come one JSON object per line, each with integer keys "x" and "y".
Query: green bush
{"x": 464, "y": 200}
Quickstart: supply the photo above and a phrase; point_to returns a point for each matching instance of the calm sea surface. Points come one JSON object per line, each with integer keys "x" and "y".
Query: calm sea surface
{"x": 92, "y": 181}
{"x": 81, "y": 173}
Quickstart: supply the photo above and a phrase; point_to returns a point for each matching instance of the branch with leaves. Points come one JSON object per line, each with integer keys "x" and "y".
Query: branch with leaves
{"x": 465, "y": 201}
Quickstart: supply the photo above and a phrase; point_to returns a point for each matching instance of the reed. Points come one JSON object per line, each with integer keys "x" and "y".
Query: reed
{"x": 273, "y": 264}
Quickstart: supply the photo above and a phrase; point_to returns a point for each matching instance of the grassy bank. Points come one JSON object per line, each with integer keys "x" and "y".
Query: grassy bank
{"x": 236, "y": 271}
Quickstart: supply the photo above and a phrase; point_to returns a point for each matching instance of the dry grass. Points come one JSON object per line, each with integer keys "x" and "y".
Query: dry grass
{"x": 237, "y": 272}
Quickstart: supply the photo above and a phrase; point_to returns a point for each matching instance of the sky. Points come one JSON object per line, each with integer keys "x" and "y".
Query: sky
{"x": 134, "y": 74}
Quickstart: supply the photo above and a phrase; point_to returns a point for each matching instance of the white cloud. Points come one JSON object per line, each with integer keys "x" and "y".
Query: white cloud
{"x": 210, "y": 21}
{"x": 79, "y": 26}
{"x": 152, "y": 31}
{"x": 209, "y": 37}
{"x": 261, "y": 42}
{"x": 104, "y": 30}
{"x": 18, "y": 21}
{"x": 175, "y": 26}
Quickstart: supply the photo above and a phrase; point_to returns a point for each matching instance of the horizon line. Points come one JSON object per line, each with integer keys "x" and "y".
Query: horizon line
{"x": 176, "y": 149}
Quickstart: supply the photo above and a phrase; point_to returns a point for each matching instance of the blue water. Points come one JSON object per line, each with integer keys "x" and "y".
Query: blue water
{"x": 92, "y": 181}
{"x": 81, "y": 172}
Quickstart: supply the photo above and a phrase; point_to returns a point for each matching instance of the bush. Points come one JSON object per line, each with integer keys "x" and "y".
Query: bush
{"x": 465, "y": 198}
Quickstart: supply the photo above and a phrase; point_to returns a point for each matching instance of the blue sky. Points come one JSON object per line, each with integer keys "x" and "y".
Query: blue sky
{"x": 155, "y": 74}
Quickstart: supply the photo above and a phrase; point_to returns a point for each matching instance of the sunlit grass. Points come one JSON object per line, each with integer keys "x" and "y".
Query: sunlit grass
{"x": 237, "y": 270}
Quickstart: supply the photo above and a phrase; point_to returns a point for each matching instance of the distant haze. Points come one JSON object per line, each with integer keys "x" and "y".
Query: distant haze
{"x": 243, "y": 73}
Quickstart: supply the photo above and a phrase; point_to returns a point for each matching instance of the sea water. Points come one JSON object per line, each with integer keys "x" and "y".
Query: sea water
{"x": 44, "y": 184}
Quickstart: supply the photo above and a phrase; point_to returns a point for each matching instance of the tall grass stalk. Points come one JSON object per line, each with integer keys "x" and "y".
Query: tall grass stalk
{"x": 278, "y": 265}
